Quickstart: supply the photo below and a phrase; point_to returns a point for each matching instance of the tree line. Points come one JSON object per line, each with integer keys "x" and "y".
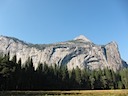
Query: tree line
{"x": 16, "y": 76}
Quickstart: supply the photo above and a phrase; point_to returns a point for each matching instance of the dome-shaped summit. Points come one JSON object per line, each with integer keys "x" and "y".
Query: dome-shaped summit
{"x": 83, "y": 38}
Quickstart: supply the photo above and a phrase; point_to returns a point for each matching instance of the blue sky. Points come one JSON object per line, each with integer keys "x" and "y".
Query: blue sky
{"x": 49, "y": 21}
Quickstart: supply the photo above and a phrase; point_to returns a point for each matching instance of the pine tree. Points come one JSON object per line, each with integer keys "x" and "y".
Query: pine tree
{"x": 98, "y": 82}
{"x": 92, "y": 80}
{"x": 110, "y": 77}
{"x": 124, "y": 77}
{"x": 72, "y": 77}
{"x": 78, "y": 76}
{"x": 85, "y": 79}
{"x": 29, "y": 74}
{"x": 65, "y": 77}
{"x": 39, "y": 77}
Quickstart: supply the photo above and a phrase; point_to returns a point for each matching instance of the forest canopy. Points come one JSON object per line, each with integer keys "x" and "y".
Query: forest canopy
{"x": 14, "y": 76}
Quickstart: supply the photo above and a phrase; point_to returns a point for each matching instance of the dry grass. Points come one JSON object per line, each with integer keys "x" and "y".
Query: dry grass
{"x": 67, "y": 93}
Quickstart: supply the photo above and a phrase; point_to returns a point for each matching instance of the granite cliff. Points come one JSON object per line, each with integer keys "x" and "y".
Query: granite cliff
{"x": 79, "y": 52}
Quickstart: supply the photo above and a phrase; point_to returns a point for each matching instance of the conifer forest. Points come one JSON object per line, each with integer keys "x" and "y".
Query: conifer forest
{"x": 17, "y": 76}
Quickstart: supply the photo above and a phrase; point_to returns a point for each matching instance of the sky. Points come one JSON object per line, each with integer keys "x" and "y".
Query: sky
{"x": 51, "y": 21}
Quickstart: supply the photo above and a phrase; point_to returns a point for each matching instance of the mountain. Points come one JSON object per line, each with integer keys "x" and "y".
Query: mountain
{"x": 82, "y": 38}
{"x": 79, "y": 52}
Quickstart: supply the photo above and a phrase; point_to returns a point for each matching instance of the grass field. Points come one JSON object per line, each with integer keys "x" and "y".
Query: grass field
{"x": 66, "y": 93}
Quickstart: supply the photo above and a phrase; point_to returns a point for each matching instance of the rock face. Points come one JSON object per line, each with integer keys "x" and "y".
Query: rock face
{"x": 82, "y": 38}
{"x": 79, "y": 52}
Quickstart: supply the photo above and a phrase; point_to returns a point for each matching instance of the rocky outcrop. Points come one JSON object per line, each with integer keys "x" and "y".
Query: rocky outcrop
{"x": 79, "y": 52}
